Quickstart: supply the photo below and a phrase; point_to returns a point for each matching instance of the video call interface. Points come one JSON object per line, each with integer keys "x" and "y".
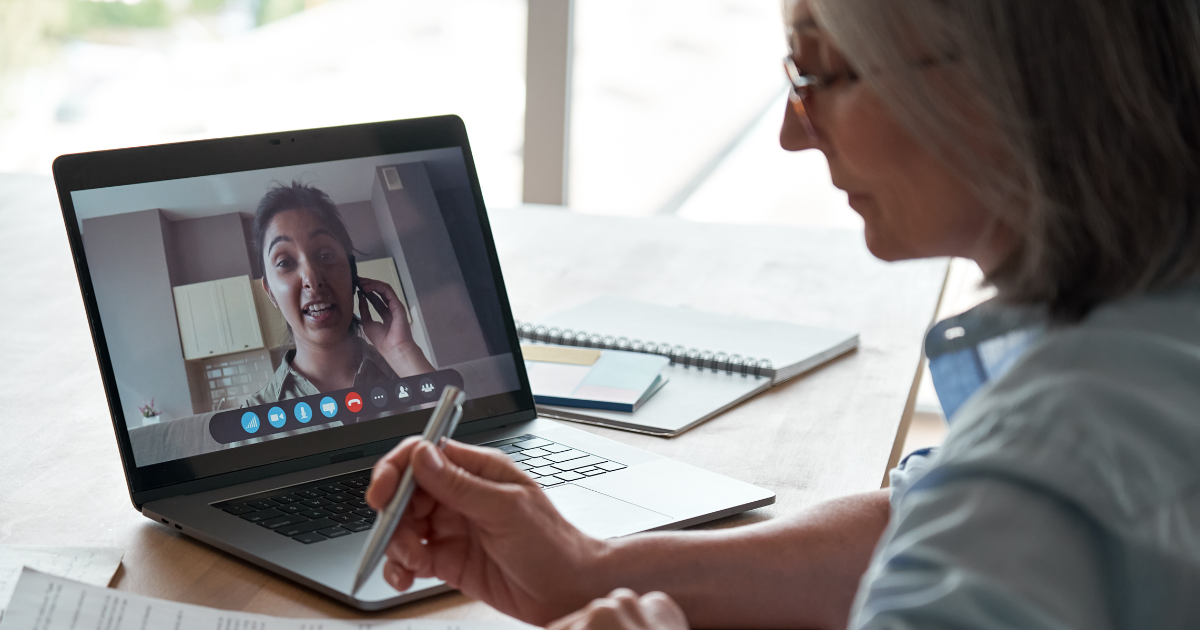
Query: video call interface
{"x": 259, "y": 305}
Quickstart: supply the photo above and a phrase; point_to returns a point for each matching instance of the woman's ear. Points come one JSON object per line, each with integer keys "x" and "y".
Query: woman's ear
{"x": 270, "y": 296}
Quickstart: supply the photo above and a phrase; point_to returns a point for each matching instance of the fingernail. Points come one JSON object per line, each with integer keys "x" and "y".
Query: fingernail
{"x": 433, "y": 459}
{"x": 389, "y": 573}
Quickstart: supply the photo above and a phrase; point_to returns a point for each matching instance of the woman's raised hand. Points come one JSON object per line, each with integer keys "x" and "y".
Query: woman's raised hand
{"x": 486, "y": 528}
{"x": 393, "y": 336}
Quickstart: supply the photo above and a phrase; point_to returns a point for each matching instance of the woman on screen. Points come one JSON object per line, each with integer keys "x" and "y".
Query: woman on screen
{"x": 310, "y": 275}
{"x": 1056, "y": 144}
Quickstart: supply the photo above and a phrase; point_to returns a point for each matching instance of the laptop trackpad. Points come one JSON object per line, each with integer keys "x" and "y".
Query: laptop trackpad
{"x": 600, "y": 515}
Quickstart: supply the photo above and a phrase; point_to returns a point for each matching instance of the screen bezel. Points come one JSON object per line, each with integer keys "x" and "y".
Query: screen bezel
{"x": 120, "y": 167}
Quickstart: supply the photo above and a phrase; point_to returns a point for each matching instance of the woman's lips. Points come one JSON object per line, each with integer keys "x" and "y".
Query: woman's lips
{"x": 320, "y": 312}
{"x": 854, "y": 200}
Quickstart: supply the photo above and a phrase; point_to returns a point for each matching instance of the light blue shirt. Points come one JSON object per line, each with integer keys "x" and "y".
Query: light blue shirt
{"x": 1067, "y": 494}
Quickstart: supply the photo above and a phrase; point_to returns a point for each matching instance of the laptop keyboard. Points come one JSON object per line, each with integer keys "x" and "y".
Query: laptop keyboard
{"x": 310, "y": 512}
{"x": 334, "y": 507}
{"x": 550, "y": 463}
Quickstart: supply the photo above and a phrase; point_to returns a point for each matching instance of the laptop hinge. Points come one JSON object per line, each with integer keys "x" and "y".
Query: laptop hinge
{"x": 311, "y": 461}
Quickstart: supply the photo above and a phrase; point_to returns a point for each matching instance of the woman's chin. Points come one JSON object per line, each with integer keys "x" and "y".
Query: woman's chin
{"x": 883, "y": 248}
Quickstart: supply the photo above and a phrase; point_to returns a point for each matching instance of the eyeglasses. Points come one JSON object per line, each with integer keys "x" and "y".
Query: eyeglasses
{"x": 803, "y": 86}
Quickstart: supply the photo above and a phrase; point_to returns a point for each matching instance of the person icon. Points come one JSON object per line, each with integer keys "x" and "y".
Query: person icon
{"x": 302, "y": 412}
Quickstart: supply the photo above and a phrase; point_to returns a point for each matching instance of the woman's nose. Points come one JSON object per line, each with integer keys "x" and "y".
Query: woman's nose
{"x": 794, "y": 134}
{"x": 311, "y": 275}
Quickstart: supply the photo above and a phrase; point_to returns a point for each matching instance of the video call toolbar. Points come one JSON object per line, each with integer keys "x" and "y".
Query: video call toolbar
{"x": 343, "y": 405}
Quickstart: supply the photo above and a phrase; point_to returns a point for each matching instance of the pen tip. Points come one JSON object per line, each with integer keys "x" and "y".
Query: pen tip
{"x": 359, "y": 580}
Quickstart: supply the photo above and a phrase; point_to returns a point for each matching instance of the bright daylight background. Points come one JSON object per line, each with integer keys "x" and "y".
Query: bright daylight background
{"x": 675, "y": 109}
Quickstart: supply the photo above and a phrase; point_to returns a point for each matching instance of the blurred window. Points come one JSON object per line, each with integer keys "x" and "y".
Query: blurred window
{"x": 663, "y": 89}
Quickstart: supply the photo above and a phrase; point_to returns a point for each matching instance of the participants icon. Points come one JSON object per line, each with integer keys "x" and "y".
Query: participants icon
{"x": 276, "y": 417}
{"x": 250, "y": 422}
{"x": 427, "y": 387}
{"x": 302, "y": 412}
{"x": 329, "y": 407}
{"x": 354, "y": 402}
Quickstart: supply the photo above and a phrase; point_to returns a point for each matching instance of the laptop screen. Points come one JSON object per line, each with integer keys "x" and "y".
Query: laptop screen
{"x": 262, "y": 305}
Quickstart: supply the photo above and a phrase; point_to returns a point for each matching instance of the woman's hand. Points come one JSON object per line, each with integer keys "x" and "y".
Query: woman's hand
{"x": 393, "y": 336}
{"x": 486, "y": 528}
{"x": 622, "y": 609}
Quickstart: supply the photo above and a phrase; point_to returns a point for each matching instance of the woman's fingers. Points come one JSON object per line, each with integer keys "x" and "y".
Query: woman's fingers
{"x": 662, "y": 612}
{"x": 392, "y": 301}
{"x": 385, "y": 477}
{"x": 612, "y": 612}
{"x": 623, "y": 609}
{"x": 452, "y": 478}
{"x": 407, "y": 549}
{"x": 378, "y": 294}
{"x": 397, "y": 576}
{"x": 475, "y": 497}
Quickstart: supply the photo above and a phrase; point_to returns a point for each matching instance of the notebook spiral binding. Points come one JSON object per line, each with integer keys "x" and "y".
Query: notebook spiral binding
{"x": 688, "y": 357}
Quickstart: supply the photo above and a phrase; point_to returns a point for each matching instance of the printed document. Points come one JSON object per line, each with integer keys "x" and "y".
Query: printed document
{"x": 46, "y": 602}
{"x": 90, "y": 565}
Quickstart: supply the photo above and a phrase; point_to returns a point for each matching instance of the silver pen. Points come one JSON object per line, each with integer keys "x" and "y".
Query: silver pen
{"x": 441, "y": 425}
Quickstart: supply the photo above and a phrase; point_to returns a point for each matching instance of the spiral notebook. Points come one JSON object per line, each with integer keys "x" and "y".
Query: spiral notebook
{"x": 717, "y": 361}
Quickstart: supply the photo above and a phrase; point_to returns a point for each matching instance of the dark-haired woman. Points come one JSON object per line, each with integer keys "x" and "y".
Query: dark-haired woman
{"x": 307, "y": 273}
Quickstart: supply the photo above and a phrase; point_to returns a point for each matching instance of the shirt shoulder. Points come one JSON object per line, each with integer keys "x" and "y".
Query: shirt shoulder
{"x": 1067, "y": 493}
{"x": 1103, "y": 411}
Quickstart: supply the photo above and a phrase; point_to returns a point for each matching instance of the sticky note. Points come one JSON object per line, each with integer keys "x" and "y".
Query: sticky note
{"x": 560, "y": 354}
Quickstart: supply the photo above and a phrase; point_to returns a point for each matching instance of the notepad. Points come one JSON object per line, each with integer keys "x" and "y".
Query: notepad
{"x": 591, "y": 378}
{"x": 716, "y": 361}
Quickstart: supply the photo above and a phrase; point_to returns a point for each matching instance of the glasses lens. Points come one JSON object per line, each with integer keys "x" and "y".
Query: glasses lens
{"x": 801, "y": 112}
{"x": 796, "y": 95}
{"x": 797, "y": 102}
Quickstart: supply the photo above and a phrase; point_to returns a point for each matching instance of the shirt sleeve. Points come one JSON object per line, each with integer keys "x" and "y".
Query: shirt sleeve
{"x": 984, "y": 553}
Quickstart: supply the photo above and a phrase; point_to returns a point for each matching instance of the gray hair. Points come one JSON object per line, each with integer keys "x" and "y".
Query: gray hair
{"x": 1076, "y": 122}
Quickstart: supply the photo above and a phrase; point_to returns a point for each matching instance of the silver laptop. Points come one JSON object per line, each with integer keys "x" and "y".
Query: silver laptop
{"x": 273, "y": 313}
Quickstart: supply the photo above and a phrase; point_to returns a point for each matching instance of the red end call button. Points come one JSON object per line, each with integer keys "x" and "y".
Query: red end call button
{"x": 354, "y": 402}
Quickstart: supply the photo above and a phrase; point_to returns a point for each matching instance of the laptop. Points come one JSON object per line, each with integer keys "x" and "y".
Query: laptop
{"x": 273, "y": 313}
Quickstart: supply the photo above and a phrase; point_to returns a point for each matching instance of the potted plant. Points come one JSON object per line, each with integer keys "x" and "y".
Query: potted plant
{"x": 150, "y": 415}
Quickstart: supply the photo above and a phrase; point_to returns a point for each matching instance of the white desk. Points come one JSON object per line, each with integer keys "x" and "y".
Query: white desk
{"x": 829, "y": 433}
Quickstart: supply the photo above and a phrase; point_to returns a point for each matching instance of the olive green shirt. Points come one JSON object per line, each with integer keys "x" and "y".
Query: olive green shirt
{"x": 288, "y": 383}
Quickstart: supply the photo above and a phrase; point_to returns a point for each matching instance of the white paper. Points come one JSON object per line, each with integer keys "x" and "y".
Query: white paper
{"x": 91, "y": 565}
{"x": 46, "y": 602}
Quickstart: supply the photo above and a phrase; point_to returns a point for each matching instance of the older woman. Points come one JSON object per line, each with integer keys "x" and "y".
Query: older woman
{"x": 1055, "y": 143}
